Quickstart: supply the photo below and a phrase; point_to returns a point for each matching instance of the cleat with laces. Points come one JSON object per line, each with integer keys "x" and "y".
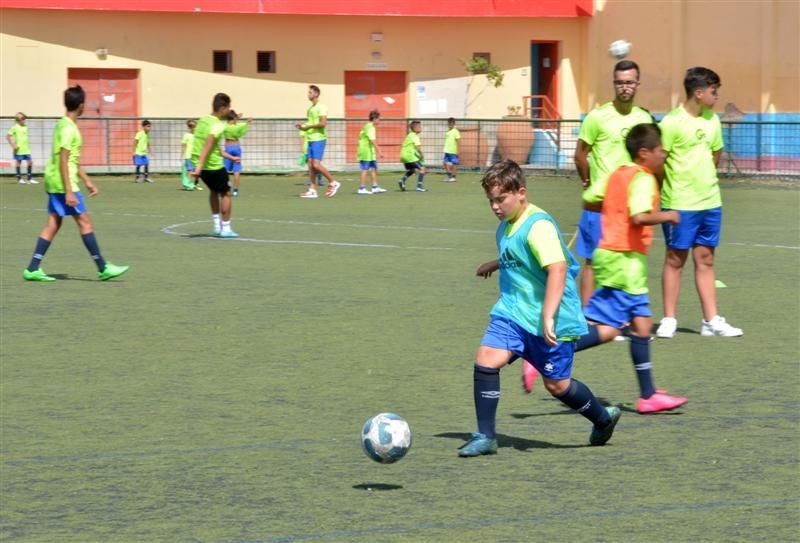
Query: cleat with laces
{"x": 600, "y": 436}
{"x": 478, "y": 445}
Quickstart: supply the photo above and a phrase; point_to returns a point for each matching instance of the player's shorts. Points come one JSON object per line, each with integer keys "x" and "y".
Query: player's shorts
{"x": 589, "y": 233}
{"x": 368, "y": 164}
{"x": 187, "y": 163}
{"x": 140, "y": 160}
{"x": 553, "y": 362}
{"x": 216, "y": 180}
{"x": 450, "y": 158}
{"x": 615, "y": 307}
{"x": 316, "y": 149}
{"x": 411, "y": 167}
{"x": 57, "y": 203}
{"x": 696, "y": 228}
{"x": 233, "y": 150}
{"x": 22, "y": 157}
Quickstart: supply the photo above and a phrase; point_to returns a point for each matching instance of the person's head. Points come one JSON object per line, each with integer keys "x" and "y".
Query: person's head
{"x": 313, "y": 92}
{"x": 191, "y": 124}
{"x": 415, "y": 126}
{"x": 626, "y": 80}
{"x": 451, "y": 122}
{"x": 146, "y": 126}
{"x": 702, "y": 84}
{"x": 232, "y": 117}
{"x": 74, "y": 98}
{"x": 20, "y": 118}
{"x": 221, "y": 105}
{"x": 374, "y": 115}
{"x": 505, "y": 187}
{"x": 643, "y": 143}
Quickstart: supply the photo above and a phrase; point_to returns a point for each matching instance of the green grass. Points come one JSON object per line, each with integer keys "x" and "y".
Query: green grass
{"x": 216, "y": 392}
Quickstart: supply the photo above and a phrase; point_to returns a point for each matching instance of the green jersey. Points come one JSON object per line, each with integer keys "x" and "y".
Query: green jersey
{"x": 20, "y": 134}
{"x": 366, "y": 148}
{"x": 208, "y": 125}
{"x": 314, "y": 114}
{"x": 604, "y": 128}
{"x": 451, "y": 141}
{"x": 142, "y": 142}
{"x": 236, "y": 131}
{"x": 187, "y": 145}
{"x": 66, "y": 136}
{"x": 691, "y": 182}
{"x": 408, "y": 151}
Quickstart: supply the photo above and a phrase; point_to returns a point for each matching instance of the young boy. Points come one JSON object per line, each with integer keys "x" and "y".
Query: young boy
{"x": 63, "y": 194}
{"x": 234, "y": 131}
{"x": 186, "y": 161}
{"x": 368, "y": 151}
{"x": 208, "y": 166}
{"x": 451, "y": 150}
{"x": 141, "y": 146}
{"x": 412, "y": 158}
{"x": 630, "y": 208}
{"x": 538, "y": 315}
{"x": 17, "y": 137}
{"x": 316, "y": 135}
{"x": 692, "y": 137}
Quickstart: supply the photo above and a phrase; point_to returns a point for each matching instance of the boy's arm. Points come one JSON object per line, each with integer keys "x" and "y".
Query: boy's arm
{"x": 12, "y": 141}
{"x": 63, "y": 166}
{"x": 204, "y": 154}
{"x": 486, "y": 269}
{"x": 377, "y": 149}
{"x": 554, "y": 290}
{"x": 582, "y": 161}
{"x": 656, "y": 217}
{"x": 135, "y": 141}
{"x": 419, "y": 151}
{"x": 90, "y": 186}
{"x": 717, "y": 155}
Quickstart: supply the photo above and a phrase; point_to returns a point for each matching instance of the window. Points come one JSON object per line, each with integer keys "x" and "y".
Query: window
{"x": 485, "y": 56}
{"x": 265, "y": 62}
{"x": 223, "y": 61}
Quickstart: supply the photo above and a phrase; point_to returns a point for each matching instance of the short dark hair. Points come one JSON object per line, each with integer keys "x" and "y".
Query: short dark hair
{"x": 699, "y": 78}
{"x": 146, "y": 123}
{"x": 191, "y": 123}
{"x": 374, "y": 114}
{"x": 412, "y": 124}
{"x": 74, "y": 97}
{"x": 315, "y": 89}
{"x": 623, "y": 65}
{"x": 505, "y": 174}
{"x": 232, "y": 115}
{"x": 642, "y": 136}
{"x": 220, "y": 100}
{"x": 451, "y": 120}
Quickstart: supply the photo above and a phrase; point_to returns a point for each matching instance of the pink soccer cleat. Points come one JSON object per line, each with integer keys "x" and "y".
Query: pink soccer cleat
{"x": 529, "y": 375}
{"x": 659, "y": 402}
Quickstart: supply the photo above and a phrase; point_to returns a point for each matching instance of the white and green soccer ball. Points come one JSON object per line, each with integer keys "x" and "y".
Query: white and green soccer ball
{"x": 386, "y": 438}
{"x": 619, "y": 49}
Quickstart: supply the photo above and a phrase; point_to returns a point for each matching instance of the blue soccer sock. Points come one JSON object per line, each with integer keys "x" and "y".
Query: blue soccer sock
{"x": 487, "y": 396}
{"x": 38, "y": 254}
{"x": 420, "y": 178}
{"x": 91, "y": 245}
{"x": 580, "y": 398}
{"x": 19, "y": 173}
{"x": 640, "y": 354}
{"x": 146, "y": 170}
{"x": 137, "y": 171}
{"x": 591, "y": 339}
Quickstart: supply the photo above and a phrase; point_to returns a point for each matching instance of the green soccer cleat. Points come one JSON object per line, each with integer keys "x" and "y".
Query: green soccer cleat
{"x": 111, "y": 271}
{"x": 601, "y": 436}
{"x": 478, "y": 445}
{"x": 37, "y": 275}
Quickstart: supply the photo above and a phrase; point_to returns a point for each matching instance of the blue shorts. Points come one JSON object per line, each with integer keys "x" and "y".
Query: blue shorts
{"x": 590, "y": 230}
{"x": 368, "y": 164}
{"x": 22, "y": 157}
{"x": 615, "y": 307}
{"x": 230, "y": 165}
{"x": 57, "y": 203}
{"x": 187, "y": 163}
{"x": 696, "y": 228}
{"x": 553, "y": 362}
{"x": 316, "y": 149}
{"x": 140, "y": 160}
{"x": 450, "y": 158}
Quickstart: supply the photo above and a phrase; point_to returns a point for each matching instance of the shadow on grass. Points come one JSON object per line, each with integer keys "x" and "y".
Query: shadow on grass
{"x": 531, "y": 415}
{"x": 377, "y": 486}
{"x": 517, "y": 443}
{"x": 65, "y": 277}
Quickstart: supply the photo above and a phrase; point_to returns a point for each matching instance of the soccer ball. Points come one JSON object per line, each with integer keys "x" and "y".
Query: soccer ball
{"x": 386, "y": 438}
{"x": 619, "y": 48}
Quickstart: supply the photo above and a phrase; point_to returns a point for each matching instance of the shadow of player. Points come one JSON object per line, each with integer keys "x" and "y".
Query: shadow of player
{"x": 517, "y": 443}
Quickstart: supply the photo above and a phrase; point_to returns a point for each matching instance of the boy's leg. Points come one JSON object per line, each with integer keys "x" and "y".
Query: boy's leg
{"x": 362, "y": 187}
{"x": 587, "y": 280}
{"x": 705, "y": 280}
{"x": 486, "y": 395}
{"x": 30, "y": 172}
{"x": 18, "y": 165}
{"x": 44, "y": 240}
{"x": 86, "y": 230}
{"x": 597, "y": 335}
{"x": 421, "y": 177}
{"x": 650, "y": 400}
{"x": 138, "y": 169}
{"x": 579, "y": 397}
{"x": 674, "y": 262}
{"x": 319, "y": 168}
{"x": 147, "y": 173}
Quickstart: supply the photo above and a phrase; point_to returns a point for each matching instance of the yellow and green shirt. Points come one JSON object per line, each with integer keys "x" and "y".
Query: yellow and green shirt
{"x": 236, "y": 131}
{"x": 691, "y": 182}
{"x": 408, "y": 151}
{"x": 187, "y": 145}
{"x": 366, "y": 149}
{"x": 20, "y": 134}
{"x": 208, "y": 125}
{"x": 66, "y": 136}
{"x": 142, "y": 143}
{"x": 313, "y": 115}
{"x": 605, "y": 129}
{"x": 451, "y": 141}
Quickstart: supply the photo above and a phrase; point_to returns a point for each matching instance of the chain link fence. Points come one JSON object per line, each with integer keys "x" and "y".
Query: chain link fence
{"x": 767, "y": 149}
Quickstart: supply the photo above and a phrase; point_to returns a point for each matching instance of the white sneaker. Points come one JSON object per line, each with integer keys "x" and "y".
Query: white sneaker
{"x": 21, "y": 182}
{"x": 377, "y": 190}
{"x": 364, "y": 191}
{"x": 33, "y": 182}
{"x": 333, "y": 188}
{"x": 310, "y": 193}
{"x": 667, "y": 327}
{"x": 718, "y": 327}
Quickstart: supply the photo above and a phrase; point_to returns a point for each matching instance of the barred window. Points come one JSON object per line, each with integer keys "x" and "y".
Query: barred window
{"x": 223, "y": 61}
{"x": 265, "y": 62}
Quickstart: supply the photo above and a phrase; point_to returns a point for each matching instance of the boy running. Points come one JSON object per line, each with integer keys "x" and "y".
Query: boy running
{"x": 412, "y": 158}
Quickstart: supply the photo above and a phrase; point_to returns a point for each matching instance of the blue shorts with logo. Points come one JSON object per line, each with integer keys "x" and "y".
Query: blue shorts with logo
{"x": 231, "y": 166}
{"x": 57, "y": 203}
{"x": 140, "y": 160}
{"x": 553, "y": 362}
{"x": 615, "y": 307}
{"x": 368, "y": 164}
{"x": 590, "y": 230}
{"x": 450, "y": 158}
{"x": 696, "y": 228}
{"x": 22, "y": 157}
{"x": 316, "y": 149}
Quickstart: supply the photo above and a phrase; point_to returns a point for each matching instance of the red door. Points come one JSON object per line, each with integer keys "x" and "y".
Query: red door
{"x": 548, "y": 71}
{"x": 384, "y": 91}
{"x": 109, "y": 93}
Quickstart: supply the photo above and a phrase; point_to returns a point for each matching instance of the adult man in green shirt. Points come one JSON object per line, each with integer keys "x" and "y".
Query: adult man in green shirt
{"x": 317, "y": 138}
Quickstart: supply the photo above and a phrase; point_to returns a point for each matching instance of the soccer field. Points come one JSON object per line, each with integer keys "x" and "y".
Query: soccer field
{"x": 216, "y": 392}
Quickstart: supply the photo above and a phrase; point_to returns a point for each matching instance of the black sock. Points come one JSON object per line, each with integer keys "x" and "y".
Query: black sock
{"x": 38, "y": 254}
{"x": 580, "y": 398}
{"x": 403, "y": 179}
{"x": 591, "y": 339}
{"x": 640, "y": 354}
{"x": 487, "y": 396}
{"x": 30, "y": 171}
{"x": 146, "y": 170}
{"x": 420, "y": 178}
{"x": 91, "y": 245}
{"x": 137, "y": 171}
{"x": 19, "y": 173}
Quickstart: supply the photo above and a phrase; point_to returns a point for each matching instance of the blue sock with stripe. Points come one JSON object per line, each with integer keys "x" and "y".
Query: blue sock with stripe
{"x": 580, "y": 398}
{"x": 91, "y": 245}
{"x": 640, "y": 353}
{"x": 38, "y": 254}
{"x": 487, "y": 396}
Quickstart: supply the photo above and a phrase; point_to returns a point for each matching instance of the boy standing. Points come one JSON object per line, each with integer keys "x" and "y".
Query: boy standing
{"x": 208, "y": 166}
{"x": 17, "y": 137}
{"x": 186, "y": 157}
{"x": 63, "y": 194}
{"x": 630, "y": 208}
{"x": 451, "y": 150}
{"x": 692, "y": 137}
{"x": 141, "y": 146}
{"x": 316, "y": 136}
{"x": 412, "y": 158}
{"x": 234, "y": 131}
{"x": 368, "y": 151}
{"x": 538, "y": 315}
